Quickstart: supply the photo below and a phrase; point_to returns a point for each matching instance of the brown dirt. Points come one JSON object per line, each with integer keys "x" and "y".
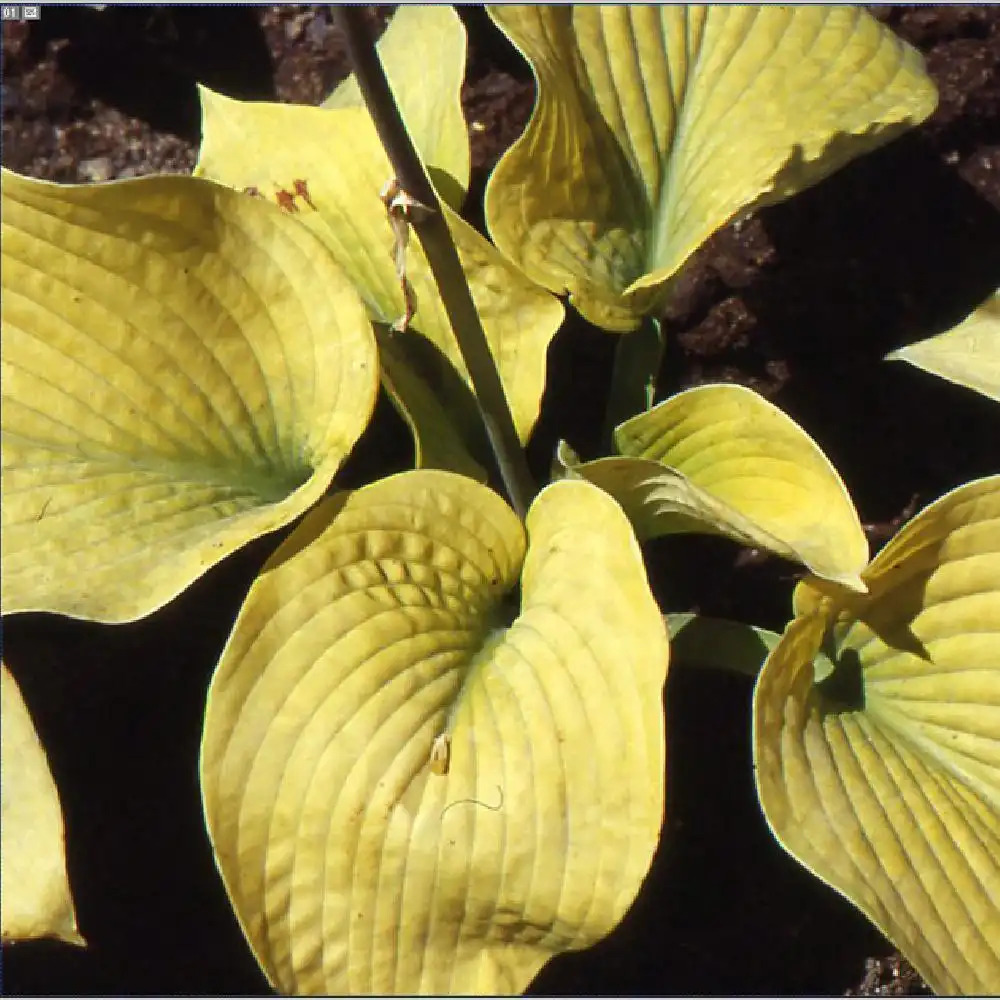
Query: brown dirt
{"x": 800, "y": 302}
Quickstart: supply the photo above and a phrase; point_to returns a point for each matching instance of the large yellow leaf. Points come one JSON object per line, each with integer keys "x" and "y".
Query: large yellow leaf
{"x": 722, "y": 459}
{"x": 655, "y": 125}
{"x": 34, "y": 890}
{"x": 423, "y": 54}
{"x": 968, "y": 354}
{"x": 412, "y": 785}
{"x": 339, "y": 157}
{"x": 184, "y": 369}
{"x": 884, "y": 778}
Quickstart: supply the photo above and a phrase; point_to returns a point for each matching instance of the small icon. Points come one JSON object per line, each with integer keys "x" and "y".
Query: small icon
{"x": 31, "y": 12}
{"x": 10, "y": 12}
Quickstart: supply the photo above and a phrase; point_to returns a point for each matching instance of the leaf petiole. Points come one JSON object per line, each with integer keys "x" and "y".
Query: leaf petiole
{"x": 442, "y": 258}
{"x": 633, "y": 379}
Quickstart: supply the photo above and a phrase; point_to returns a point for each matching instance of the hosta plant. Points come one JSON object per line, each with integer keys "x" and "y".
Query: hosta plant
{"x": 433, "y": 745}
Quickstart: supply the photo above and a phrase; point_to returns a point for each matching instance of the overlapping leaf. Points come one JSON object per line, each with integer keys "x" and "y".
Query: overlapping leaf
{"x": 338, "y": 156}
{"x": 413, "y": 785}
{"x": 968, "y": 354}
{"x": 423, "y": 54}
{"x": 718, "y": 643}
{"x": 442, "y": 416}
{"x": 883, "y": 778}
{"x": 184, "y": 369}
{"x": 722, "y": 459}
{"x": 656, "y": 124}
{"x": 34, "y": 894}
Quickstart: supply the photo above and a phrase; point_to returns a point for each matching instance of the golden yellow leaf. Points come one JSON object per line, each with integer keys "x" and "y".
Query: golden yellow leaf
{"x": 415, "y": 784}
{"x": 423, "y": 54}
{"x": 657, "y": 124}
{"x": 339, "y": 156}
{"x": 34, "y": 894}
{"x": 883, "y": 776}
{"x": 968, "y": 354}
{"x": 184, "y": 369}
{"x": 722, "y": 459}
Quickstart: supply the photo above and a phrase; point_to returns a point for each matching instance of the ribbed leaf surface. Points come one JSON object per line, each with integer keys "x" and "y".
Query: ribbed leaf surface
{"x": 338, "y": 156}
{"x": 184, "y": 369}
{"x": 884, "y": 779}
{"x": 722, "y": 459}
{"x": 656, "y": 124}
{"x": 413, "y": 785}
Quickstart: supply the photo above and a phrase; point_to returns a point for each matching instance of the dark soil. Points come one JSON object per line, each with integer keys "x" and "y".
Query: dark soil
{"x": 800, "y": 301}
